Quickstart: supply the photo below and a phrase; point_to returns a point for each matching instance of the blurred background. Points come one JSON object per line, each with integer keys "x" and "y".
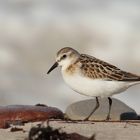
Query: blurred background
{"x": 32, "y": 31}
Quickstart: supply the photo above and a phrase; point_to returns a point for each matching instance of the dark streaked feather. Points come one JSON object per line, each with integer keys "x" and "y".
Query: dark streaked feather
{"x": 97, "y": 69}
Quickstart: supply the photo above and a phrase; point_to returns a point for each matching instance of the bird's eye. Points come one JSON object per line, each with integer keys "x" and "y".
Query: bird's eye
{"x": 64, "y": 56}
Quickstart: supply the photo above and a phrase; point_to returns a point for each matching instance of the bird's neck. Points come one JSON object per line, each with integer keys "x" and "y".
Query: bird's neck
{"x": 71, "y": 67}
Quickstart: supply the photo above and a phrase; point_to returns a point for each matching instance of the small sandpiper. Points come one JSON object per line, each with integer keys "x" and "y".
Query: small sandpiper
{"x": 92, "y": 77}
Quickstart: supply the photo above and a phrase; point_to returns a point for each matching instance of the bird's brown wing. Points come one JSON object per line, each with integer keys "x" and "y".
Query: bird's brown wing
{"x": 97, "y": 69}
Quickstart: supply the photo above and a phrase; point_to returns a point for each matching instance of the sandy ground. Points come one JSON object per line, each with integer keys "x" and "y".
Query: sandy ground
{"x": 103, "y": 130}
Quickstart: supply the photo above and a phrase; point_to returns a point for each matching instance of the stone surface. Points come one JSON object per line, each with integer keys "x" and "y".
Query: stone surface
{"x": 120, "y": 111}
{"x": 26, "y": 113}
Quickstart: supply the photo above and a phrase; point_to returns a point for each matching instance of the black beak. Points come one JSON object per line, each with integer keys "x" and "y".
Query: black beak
{"x": 53, "y": 67}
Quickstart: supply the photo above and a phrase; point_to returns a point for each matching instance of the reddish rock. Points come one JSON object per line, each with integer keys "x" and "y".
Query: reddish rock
{"x": 18, "y": 114}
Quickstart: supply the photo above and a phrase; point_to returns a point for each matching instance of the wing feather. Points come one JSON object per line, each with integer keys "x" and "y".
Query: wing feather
{"x": 97, "y": 69}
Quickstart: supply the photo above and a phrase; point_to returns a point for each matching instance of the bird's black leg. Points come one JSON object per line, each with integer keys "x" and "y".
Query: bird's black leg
{"x": 96, "y": 107}
{"x": 110, "y": 105}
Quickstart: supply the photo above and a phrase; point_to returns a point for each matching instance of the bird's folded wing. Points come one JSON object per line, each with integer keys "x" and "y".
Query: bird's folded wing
{"x": 98, "y": 69}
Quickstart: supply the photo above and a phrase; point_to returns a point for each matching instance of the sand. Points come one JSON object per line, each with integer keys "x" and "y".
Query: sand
{"x": 102, "y": 130}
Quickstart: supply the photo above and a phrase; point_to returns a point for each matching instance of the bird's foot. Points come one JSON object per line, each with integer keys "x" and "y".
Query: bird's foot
{"x": 86, "y": 119}
{"x": 108, "y": 118}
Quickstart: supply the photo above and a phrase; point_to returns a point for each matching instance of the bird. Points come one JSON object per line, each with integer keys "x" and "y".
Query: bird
{"x": 90, "y": 76}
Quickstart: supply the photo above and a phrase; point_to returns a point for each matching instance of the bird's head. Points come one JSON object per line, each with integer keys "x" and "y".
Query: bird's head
{"x": 64, "y": 58}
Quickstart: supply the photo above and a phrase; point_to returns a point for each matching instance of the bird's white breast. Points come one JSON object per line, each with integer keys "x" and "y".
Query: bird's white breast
{"x": 94, "y": 87}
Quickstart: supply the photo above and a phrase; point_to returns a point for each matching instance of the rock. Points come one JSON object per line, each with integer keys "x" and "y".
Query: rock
{"x": 120, "y": 111}
{"x": 18, "y": 114}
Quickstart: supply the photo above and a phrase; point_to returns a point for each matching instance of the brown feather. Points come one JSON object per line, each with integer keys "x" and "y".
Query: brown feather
{"x": 98, "y": 69}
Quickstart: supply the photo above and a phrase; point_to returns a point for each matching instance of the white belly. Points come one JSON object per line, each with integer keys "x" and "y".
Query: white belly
{"x": 95, "y": 88}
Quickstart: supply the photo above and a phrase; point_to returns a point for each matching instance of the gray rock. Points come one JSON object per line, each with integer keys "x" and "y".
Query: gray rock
{"x": 120, "y": 111}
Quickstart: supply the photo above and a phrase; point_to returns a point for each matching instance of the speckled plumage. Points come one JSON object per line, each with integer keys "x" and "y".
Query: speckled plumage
{"x": 98, "y": 69}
